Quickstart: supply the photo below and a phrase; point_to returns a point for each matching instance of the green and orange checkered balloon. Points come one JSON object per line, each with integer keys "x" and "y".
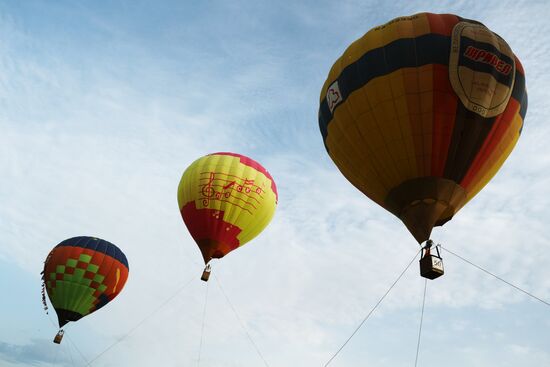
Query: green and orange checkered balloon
{"x": 83, "y": 274}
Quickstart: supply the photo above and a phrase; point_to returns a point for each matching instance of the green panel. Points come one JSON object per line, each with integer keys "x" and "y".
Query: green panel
{"x": 98, "y": 278}
{"x": 59, "y": 295}
{"x": 79, "y": 274}
{"x": 67, "y": 277}
{"x": 60, "y": 269}
{"x": 52, "y": 276}
{"x": 93, "y": 268}
{"x": 73, "y": 296}
{"x": 102, "y": 288}
{"x": 85, "y": 281}
{"x": 83, "y": 299}
{"x": 72, "y": 263}
{"x": 85, "y": 258}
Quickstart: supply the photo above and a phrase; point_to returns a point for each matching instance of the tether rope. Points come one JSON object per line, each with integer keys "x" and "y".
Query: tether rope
{"x": 203, "y": 319}
{"x": 67, "y": 337}
{"x": 240, "y": 322}
{"x": 168, "y": 300}
{"x": 55, "y": 356}
{"x": 75, "y": 347}
{"x": 497, "y": 277}
{"x": 70, "y": 356}
{"x": 421, "y": 320}
{"x": 373, "y": 309}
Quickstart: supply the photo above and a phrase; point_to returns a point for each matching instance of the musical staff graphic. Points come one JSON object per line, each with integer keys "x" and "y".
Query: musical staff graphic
{"x": 242, "y": 192}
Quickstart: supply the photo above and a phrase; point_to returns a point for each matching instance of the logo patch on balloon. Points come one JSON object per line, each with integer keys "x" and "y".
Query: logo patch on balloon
{"x": 481, "y": 69}
{"x": 334, "y": 97}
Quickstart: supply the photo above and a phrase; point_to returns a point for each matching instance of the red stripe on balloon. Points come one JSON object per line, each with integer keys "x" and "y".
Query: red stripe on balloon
{"x": 442, "y": 23}
{"x": 444, "y": 116}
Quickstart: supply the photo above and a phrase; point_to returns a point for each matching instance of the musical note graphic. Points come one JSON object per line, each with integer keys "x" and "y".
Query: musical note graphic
{"x": 228, "y": 188}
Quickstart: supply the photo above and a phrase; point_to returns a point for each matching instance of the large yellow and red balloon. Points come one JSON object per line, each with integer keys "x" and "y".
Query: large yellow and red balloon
{"x": 225, "y": 200}
{"x": 420, "y": 113}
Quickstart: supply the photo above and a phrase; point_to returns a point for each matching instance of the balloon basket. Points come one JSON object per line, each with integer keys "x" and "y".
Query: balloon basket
{"x": 431, "y": 266}
{"x": 206, "y": 273}
{"x": 58, "y": 337}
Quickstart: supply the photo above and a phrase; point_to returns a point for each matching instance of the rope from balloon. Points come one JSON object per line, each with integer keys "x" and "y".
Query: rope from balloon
{"x": 373, "y": 309}
{"x": 497, "y": 277}
{"x": 421, "y": 320}
{"x": 151, "y": 314}
{"x": 217, "y": 279}
{"x": 202, "y": 327}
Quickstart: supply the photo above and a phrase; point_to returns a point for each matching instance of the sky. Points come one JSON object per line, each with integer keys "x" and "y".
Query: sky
{"x": 104, "y": 104}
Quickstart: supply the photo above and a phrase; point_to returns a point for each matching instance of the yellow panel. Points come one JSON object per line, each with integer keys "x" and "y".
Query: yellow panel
{"x": 425, "y": 79}
{"x": 414, "y": 103}
{"x": 412, "y": 26}
{"x": 344, "y": 129}
{"x": 426, "y": 104}
{"x": 421, "y": 25}
{"x": 410, "y": 79}
{"x": 353, "y": 140}
{"x": 347, "y": 164}
{"x": 358, "y": 103}
{"x": 378, "y": 90}
{"x": 402, "y": 107}
{"x": 397, "y": 83}
{"x": 405, "y": 29}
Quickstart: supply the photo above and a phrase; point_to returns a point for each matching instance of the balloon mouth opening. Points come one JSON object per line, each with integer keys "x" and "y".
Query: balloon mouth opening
{"x": 212, "y": 249}
{"x": 424, "y": 202}
{"x": 65, "y": 316}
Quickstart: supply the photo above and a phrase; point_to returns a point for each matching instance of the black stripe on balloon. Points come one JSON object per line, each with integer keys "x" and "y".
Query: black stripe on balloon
{"x": 519, "y": 87}
{"x": 402, "y": 53}
{"x": 469, "y": 134}
{"x": 519, "y": 93}
{"x": 523, "y": 108}
{"x": 98, "y": 245}
{"x": 65, "y": 316}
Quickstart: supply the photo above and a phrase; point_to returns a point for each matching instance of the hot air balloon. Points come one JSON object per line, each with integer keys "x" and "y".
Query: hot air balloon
{"x": 421, "y": 112}
{"x": 225, "y": 200}
{"x": 81, "y": 275}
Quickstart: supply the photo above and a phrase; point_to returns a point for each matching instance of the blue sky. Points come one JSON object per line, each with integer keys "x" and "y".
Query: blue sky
{"x": 103, "y": 105}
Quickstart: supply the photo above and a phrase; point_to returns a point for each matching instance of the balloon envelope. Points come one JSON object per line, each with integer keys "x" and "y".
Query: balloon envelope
{"x": 83, "y": 274}
{"x": 420, "y": 113}
{"x": 225, "y": 200}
